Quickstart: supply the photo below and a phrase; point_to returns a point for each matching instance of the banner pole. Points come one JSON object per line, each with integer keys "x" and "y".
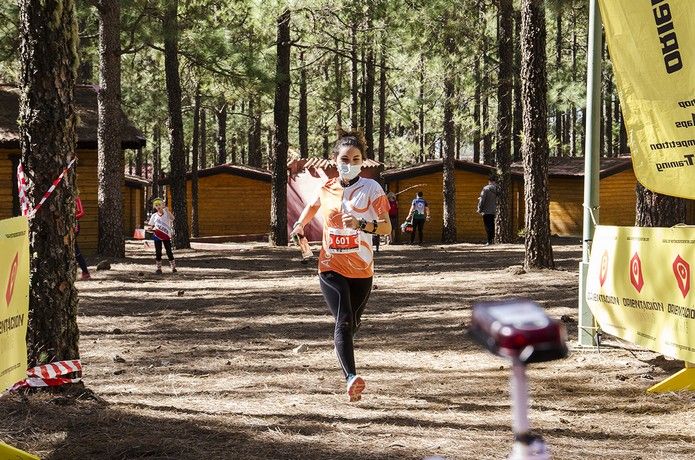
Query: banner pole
{"x": 587, "y": 331}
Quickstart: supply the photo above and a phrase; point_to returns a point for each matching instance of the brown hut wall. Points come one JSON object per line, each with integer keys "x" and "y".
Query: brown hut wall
{"x": 618, "y": 199}
{"x": 231, "y": 205}
{"x": 132, "y": 209}
{"x": 7, "y": 176}
{"x": 87, "y": 188}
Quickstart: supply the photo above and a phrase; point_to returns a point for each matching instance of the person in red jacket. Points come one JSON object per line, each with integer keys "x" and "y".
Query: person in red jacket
{"x": 393, "y": 216}
{"x": 79, "y": 213}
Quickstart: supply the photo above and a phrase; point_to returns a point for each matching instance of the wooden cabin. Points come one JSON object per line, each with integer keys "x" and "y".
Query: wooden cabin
{"x": 305, "y": 177}
{"x": 428, "y": 178}
{"x": 86, "y": 151}
{"x": 234, "y": 200}
{"x": 134, "y": 193}
{"x": 617, "y": 196}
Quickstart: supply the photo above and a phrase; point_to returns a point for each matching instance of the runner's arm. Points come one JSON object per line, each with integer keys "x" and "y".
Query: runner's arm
{"x": 382, "y": 227}
{"x": 304, "y": 218}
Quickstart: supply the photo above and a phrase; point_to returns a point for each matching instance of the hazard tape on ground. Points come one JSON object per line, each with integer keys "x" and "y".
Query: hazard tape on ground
{"x": 50, "y": 375}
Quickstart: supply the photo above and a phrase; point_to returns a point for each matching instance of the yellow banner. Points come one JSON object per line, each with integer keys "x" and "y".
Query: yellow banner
{"x": 14, "y": 300}
{"x": 652, "y": 48}
{"x": 640, "y": 287}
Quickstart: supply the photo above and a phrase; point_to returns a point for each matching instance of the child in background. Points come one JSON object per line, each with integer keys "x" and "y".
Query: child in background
{"x": 162, "y": 224}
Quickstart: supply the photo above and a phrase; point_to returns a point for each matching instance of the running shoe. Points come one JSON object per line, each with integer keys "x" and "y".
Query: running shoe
{"x": 355, "y": 387}
{"x": 159, "y": 271}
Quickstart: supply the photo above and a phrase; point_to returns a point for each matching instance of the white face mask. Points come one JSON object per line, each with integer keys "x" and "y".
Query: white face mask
{"x": 348, "y": 171}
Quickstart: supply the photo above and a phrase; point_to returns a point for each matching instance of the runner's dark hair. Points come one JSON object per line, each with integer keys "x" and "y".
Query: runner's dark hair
{"x": 352, "y": 138}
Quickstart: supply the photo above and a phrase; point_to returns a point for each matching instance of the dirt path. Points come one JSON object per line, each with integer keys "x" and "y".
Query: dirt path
{"x": 209, "y": 370}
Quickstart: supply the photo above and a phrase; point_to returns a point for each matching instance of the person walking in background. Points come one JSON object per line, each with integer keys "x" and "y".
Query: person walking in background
{"x": 393, "y": 217}
{"x": 162, "y": 225}
{"x": 79, "y": 213}
{"x": 418, "y": 214}
{"x": 487, "y": 207}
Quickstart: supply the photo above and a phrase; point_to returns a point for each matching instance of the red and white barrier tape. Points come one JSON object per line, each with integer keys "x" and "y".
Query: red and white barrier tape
{"x": 23, "y": 186}
{"x": 50, "y": 375}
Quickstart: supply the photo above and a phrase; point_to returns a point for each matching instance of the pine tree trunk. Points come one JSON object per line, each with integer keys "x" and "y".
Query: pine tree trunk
{"x": 337, "y": 64}
{"x": 47, "y": 123}
{"x": 558, "y": 69}
{"x": 624, "y": 148}
{"x": 156, "y": 162}
{"x": 539, "y": 252}
{"x": 203, "y": 158}
{"x": 303, "y": 110}
{"x": 573, "y": 108}
{"x": 421, "y": 115}
{"x": 517, "y": 127}
{"x": 488, "y": 157}
{"x": 281, "y": 114}
{"x": 449, "y": 153}
{"x": 110, "y": 163}
{"x": 656, "y": 210}
{"x": 616, "y": 120}
{"x": 607, "y": 108}
{"x": 326, "y": 143}
{"x": 363, "y": 86}
{"x": 504, "y": 221}
{"x": 255, "y": 154}
{"x": 177, "y": 156}
{"x": 195, "y": 220}
{"x": 476, "y": 109}
{"x": 222, "y": 134}
{"x": 382, "y": 107}
{"x": 369, "y": 102}
{"x": 138, "y": 162}
{"x": 354, "y": 80}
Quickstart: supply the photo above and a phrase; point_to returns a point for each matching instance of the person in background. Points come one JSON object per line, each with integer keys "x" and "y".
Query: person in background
{"x": 487, "y": 207}
{"x": 161, "y": 224}
{"x": 393, "y": 216}
{"x": 79, "y": 213}
{"x": 418, "y": 214}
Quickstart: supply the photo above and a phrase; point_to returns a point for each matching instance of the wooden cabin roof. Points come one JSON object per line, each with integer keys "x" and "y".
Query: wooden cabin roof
{"x": 136, "y": 181}
{"x": 299, "y": 164}
{"x": 88, "y": 120}
{"x": 574, "y": 167}
{"x": 249, "y": 172}
{"x": 430, "y": 167}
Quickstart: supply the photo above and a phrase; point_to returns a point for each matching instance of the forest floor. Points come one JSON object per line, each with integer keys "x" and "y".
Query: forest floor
{"x": 208, "y": 368}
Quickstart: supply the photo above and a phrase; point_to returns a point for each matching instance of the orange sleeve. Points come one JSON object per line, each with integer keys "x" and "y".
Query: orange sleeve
{"x": 79, "y": 210}
{"x": 381, "y": 205}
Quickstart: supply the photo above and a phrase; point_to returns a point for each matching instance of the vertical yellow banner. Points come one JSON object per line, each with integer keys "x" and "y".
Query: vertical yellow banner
{"x": 652, "y": 48}
{"x": 14, "y": 300}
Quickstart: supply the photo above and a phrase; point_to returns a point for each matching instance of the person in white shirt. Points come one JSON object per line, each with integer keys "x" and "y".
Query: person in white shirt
{"x": 161, "y": 224}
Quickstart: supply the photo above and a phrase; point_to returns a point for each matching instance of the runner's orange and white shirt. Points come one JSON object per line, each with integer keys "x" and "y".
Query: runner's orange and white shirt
{"x": 345, "y": 250}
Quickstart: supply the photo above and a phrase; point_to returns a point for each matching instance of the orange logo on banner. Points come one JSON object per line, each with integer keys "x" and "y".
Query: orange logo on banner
{"x": 636, "y": 273}
{"x": 9, "y": 291}
{"x": 604, "y": 269}
{"x": 681, "y": 269}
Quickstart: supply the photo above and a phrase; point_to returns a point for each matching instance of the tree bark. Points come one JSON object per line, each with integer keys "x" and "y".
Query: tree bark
{"x": 517, "y": 127}
{"x": 369, "y": 102}
{"x": 476, "y": 109}
{"x": 255, "y": 149}
{"x": 203, "y": 158}
{"x": 449, "y": 153}
{"x": 354, "y": 81}
{"x": 326, "y": 143}
{"x": 110, "y": 163}
{"x": 539, "y": 252}
{"x": 47, "y": 123}
{"x": 573, "y": 108}
{"x": 156, "y": 161}
{"x": 222, "y": 134}
{"x": 138, "y": 162}
{"x": 656, "y": 210}
{"x": 382, "y": 107}
{"x": 303, "y": 110}
{"x": 195, "y": 220}
{"x": 607, "y": 107}
{"x": 558, "y": 69}
{"x": 177, "y": 156}
{"x": 504, "y": 232}
{"x": 281, "y": 114}
{"x": 421, "y": 104}
{"x": 337, "y": 64}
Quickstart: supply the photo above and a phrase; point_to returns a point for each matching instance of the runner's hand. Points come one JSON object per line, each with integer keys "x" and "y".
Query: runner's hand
{"x": 349, "y": 221}
{"x": 298, "y": 229}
